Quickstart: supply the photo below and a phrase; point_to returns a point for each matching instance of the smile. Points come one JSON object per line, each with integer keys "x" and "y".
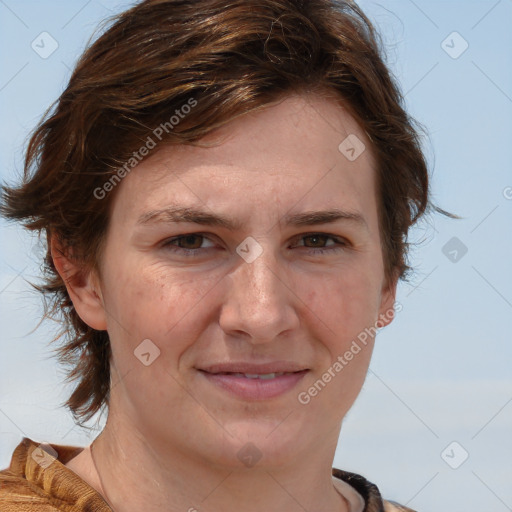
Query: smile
{"x": 254, "y": 386}
{"x": 264, "y": 376}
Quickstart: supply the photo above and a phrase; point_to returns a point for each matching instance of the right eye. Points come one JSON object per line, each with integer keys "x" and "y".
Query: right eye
{"x": 182, "y": 244}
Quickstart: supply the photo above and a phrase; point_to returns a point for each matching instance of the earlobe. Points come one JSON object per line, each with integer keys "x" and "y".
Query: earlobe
{"x": 82, "y": 285}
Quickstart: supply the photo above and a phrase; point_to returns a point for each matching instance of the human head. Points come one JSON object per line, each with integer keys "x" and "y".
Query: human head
{"x": 222, "y": 60}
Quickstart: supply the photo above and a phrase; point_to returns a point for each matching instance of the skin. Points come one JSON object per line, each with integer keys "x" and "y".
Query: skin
{"x": 172, "y": 438}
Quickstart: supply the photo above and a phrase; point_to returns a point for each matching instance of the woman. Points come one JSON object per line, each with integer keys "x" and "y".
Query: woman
{"x": 271, "y": 134}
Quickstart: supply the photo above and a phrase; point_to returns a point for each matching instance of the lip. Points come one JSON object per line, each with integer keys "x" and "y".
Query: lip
{"x": 254, "y": 368}
{"x": 255, "y": 388}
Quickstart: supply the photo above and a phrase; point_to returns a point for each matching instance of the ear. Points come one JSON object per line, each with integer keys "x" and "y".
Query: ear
{"x": 83, "y": 287}
{"x": 387, "y": 304}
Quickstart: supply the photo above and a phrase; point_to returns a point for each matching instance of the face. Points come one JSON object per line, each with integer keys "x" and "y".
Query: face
{"x": 270, "y": 288}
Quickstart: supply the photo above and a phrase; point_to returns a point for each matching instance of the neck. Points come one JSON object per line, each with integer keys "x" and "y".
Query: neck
{"x": 133, "y": 475}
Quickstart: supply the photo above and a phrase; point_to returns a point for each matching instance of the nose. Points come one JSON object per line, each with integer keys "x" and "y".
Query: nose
{"x": 259, "y": 302}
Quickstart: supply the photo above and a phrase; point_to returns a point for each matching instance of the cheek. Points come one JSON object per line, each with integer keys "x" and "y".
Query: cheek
{"x": 346, "y": 306}
{"x": 171, "y": 310}
{"x": 345, "y": 303}
{"x": 153, "y": 302}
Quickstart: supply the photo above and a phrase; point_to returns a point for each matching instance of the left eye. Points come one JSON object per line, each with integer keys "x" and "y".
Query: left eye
{"x": 190, "y": 244}
{"x": 315, "y": 237}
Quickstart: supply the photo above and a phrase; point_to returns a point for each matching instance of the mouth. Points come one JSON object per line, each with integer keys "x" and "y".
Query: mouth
{"x": 255, "y": 383}
{"x": 245, "y": 368}
{"x": 263, "y": 376}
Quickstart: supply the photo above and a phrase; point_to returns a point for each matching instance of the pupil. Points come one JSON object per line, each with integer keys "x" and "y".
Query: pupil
{"x": 315, "y": 238}
{"x": 189, "y": 240}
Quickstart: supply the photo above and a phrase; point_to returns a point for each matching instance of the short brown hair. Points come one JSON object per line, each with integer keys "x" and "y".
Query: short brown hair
{"x": 230, "y": 58}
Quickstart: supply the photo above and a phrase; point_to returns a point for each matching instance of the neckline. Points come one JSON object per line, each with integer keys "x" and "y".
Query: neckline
{"x": 61, "y": 483}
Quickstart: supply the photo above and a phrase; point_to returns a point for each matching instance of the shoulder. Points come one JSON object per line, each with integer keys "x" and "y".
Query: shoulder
{"x": 369, "y": 492}
{"x": 17, "y": 492}
{"x": 18, "y": 495}
{"x": 38, "y": 481}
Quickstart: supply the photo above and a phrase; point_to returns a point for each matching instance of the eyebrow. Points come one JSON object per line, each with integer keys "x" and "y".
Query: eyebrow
{"x": 179, "y": 214}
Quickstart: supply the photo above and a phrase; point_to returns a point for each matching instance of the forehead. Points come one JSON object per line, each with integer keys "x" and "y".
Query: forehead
{"x": 307, "y": 129}
{"x": 302, "y": 153}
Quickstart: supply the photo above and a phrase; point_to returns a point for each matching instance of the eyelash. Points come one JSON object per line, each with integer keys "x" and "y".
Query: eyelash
{"x": 341, "y": 244}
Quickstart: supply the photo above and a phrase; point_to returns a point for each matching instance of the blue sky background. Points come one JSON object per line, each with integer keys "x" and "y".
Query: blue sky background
{"x": 441, "y": 372}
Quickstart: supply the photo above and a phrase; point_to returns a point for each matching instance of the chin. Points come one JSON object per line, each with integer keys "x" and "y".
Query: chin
{"x": 265, "y": 444}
